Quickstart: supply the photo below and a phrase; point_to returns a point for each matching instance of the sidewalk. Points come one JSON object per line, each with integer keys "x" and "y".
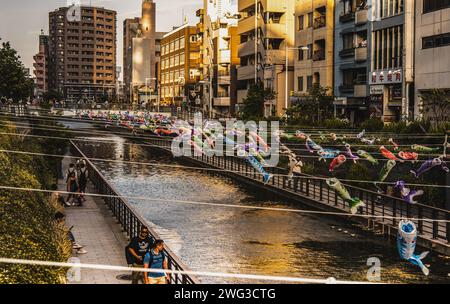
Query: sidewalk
{"x": 97, "y": 230}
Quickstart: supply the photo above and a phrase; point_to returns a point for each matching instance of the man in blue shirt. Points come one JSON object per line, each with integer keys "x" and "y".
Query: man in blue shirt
{"x": 156, "y": 259}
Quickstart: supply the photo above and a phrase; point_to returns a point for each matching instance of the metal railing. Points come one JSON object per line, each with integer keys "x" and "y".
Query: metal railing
{"x": 386, "y": 210}
{"x": 129, "y": 218}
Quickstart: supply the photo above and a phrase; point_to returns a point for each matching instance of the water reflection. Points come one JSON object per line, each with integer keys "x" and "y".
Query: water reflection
{"x": 221, "y": 239}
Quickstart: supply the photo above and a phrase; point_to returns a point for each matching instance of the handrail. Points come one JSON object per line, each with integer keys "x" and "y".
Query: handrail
{"x": 131, "y": 220}
{"x": 311, "y": 188}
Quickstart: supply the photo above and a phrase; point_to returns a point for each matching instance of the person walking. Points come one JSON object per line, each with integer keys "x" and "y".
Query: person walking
{"x": 71, "y": 183}
{"x": 156, "y": 259}
{"x": 138, "y": 248}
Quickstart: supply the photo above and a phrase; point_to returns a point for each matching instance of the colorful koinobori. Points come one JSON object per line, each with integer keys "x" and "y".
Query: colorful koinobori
{"x": 254, "y": 148}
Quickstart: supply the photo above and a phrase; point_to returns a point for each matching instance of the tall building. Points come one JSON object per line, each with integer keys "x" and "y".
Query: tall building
{"x": 314, "y": 41}
{"x": 432, "y": 49}
{"x": 82, "y": 52}
{"x": 352, "y": 61}
{"x": 266, "y": 50}
{"x": 218, "y": 33}
{"x": 391, "y": 77}
{"x": 41, "y": 66}
{"x": 180, "y": 65}
{"x": 141, "y": 52}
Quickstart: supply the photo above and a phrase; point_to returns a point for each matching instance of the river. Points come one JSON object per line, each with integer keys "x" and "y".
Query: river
{"x": 224, "y": 239}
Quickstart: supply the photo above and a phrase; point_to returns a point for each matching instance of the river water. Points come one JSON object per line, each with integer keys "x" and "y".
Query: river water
{"x": 223, "y": 239}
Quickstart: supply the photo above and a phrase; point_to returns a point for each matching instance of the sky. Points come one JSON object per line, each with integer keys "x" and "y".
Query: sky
{"x": 22, "y": 20}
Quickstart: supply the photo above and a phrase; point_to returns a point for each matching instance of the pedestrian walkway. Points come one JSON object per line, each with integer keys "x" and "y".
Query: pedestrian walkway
{"x": 95, "y": 228}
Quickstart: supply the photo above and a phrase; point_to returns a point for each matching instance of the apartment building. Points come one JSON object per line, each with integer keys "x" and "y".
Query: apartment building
{"x": 217, "y": 31}
{"x": 266, "y": 32}
{"x": 314, "y": 41}
{"x": 391, "y": 77}
{"x": 432, "y": 49}
{"x": 352, "y": 61}
{"x": 82, "y": 52}
{"x": 41, "y": 66}
{"x": 180, "y": 66}
{"x": 141, "y": 55}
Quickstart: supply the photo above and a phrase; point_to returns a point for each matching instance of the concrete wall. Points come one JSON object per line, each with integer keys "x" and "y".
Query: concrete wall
{"x": 432, "y": 66}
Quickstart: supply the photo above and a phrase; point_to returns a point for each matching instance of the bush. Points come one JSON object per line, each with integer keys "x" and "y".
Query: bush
{"x": 373, "y": 125}
{"x": 336, "y": 123}
{"x": 27, "y": 228}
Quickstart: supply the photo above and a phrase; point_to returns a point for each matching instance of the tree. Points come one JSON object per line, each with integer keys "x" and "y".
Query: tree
{"x": 254, "y": 102}
{"x": 436, "y": 106}
{"x": 14, "y": 81}
{"x": 322, "y": 100}
{"x": 314, "y": 106}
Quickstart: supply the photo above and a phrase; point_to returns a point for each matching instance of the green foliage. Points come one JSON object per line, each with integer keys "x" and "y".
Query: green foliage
{"x": 373, "y": 125}
{"x": 408, "y": 127}
{"x": 317, "y": 105}
{"x": 336, "y": 123}
{"x": 358, "y": 171}
{"x": 253, "y": 108}
{"x": 14, "y": 82}
{"x": 27, "y": 228}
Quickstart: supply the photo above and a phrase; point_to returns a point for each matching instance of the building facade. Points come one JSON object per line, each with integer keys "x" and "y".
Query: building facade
{"x": 82, "y": 52}
{"x": 141, "y": 55}
{"x": 432, "y": 49}
{"x": 352, "y": 61}
{"x": 266, "y": 32}
{"x": 314, "y": 40}
{"x": 41, "y": 66}
{"x": 392, "y": 59}
{"x": 217, "y": 30}
{"x": 180, "y": 66}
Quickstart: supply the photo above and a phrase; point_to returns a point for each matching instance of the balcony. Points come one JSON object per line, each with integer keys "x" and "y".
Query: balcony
{"x": 347, "y": 53}
{"x": 360, "y": 90}
{"x": 269, "y": 6}
{"x": 275, "y": 30}
{"x": 361, "y": 17}
{"x": 246, "y": 72}
{"x": 248, "y": 25}
{"x": 361, "y": 54}
{"x": 320, "y": 22}
{"x": 347, "y": 17}
{"x": 222, "y": 101}
{"x": 248, "y": 48}
{"x": 276, "y": 56}
{"x": 224, "y": 56}
{"x": 319, "y": 55}
{"x": 347, "y": 88}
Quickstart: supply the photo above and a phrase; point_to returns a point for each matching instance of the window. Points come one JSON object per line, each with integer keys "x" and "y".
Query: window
{"x": 436, "y": 41}
{"x": 301, "y": 22}
{"x": 310, "y": 51}
{"x": 435, "y": 5}
{"x": 301, "y": 54}
{"x": 182, "y": 58}
{"x": 182, "y": 43}
{"x": 309, "y": 83}
{"x": 300, "y": 84}
{"x": 310, "y": 19}
{"x": 193, "y": 38}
